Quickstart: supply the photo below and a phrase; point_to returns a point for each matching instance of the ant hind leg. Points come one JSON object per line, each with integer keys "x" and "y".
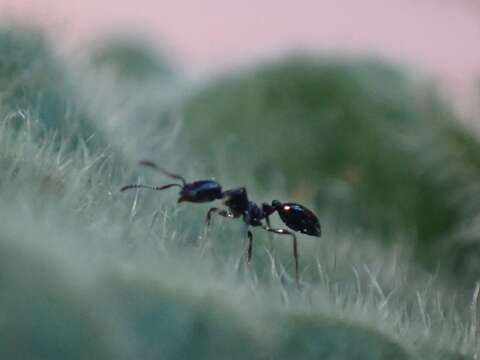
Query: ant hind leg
{"x": 295, "y": 248}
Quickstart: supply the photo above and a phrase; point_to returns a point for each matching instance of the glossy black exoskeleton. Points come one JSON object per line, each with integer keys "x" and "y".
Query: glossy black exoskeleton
{"x": 295, "y": 216}
{"x": 200, "y": 191}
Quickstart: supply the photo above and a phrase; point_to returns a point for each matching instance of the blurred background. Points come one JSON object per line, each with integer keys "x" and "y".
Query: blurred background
{"x": 367, "y": 113}
{"x": 437, "y": 36}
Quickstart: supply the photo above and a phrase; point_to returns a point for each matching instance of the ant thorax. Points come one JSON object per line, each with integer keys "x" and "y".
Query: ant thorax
{"x": 255, "y": 214}
{"x": 236, "y": 200}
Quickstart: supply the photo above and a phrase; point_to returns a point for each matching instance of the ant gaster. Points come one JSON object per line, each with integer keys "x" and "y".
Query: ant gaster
{"x": 199, "y": 191}
{"x": 297, "y": 217}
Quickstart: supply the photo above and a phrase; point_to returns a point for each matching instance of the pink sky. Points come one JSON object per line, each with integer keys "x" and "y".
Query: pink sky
{"x": 440, "y": 36}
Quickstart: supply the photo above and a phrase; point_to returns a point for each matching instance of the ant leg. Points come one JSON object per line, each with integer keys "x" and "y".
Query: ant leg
{"x": 270, "y": 237}
{"x": 154, "y": 166}
{"x": 295, "y": 247}
{"x": 208, "y": 220}
{"x": 214, "y": 210}
{"x": 247, "y": 220}
{"x": 267, "y": 219}
{"x": 140, "y": 186}
{"x": 270, "y": 243}
{"x": 222, "y": 212}
{"x": 250, "y": 242}
{"x": 267, "y": 211}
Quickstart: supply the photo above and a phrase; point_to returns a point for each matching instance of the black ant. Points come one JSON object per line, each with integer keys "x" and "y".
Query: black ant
{"x": 297, "y": 217}
{"x": 199, "y": 191}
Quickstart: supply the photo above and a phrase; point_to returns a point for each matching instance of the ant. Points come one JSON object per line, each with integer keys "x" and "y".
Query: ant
{"x": 297, "y": 217}
{"x": 199, "y": 191}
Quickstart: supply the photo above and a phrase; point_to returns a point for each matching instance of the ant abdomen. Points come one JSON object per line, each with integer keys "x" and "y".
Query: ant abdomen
{"x": 298, "y": 218}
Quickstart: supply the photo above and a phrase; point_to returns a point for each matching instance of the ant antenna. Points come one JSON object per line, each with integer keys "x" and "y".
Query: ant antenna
{"x": 137, "y": 186}
{"x": 154, "y": 166}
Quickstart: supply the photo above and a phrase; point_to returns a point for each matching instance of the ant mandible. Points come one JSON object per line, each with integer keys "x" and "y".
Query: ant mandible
{"x": 199, "y": 191}
{"x": 297, "y": 217}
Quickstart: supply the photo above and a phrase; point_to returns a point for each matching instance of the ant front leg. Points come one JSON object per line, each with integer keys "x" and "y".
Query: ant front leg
{"x": 295, "y": 247}
{"x": 250, "y": 245}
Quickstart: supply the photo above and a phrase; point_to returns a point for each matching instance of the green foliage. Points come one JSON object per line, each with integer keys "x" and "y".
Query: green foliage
{"x": 44, "y": 314}
{"x": 49, "y": 311}
{"x": 316, "y": 338}
{"x": 125, "y": 270}
{"x": 89, "y": 272}
{"x": 34, "y": 83}
{"x": 359, "y": 137}
{"x": 132, "y": 60}
{"x": 175, "y": 322}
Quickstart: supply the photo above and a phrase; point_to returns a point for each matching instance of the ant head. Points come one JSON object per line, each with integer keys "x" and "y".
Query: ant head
{"x": 276, "y": 204}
